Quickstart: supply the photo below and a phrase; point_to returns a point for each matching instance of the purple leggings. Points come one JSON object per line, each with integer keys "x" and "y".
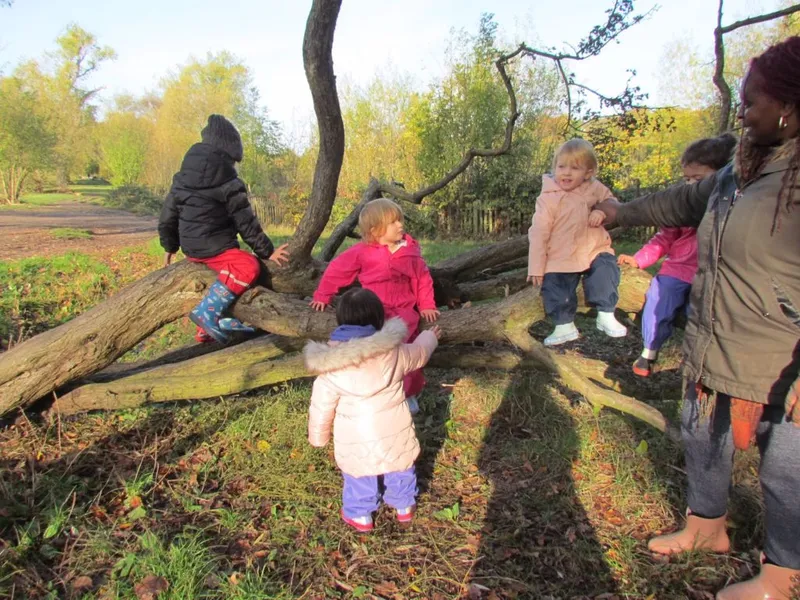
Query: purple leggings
{"x": 666, "y": 297}
{"x": 361, "y": 496}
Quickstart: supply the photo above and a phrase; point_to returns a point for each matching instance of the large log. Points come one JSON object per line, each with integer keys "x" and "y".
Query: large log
{"x": 90, "y": 342}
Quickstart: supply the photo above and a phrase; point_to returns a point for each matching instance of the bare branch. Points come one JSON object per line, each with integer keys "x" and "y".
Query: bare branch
{"x": 719, "y": 74}
{"x": 759, "y": 19}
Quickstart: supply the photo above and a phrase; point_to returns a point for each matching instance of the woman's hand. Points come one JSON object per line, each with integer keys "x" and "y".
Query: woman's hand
{"x": 536, "y": 280}
{"x": 596, "y": 218}
{"x": 317, "y": 306}
{"x": 625, "y": 259}
{"x": 609, "y": 209}
{"x": 430, "y": 315}
{"x": 168, "y": 258}
{"x": 437, "y": 331}
{"x": 280, "y": 255}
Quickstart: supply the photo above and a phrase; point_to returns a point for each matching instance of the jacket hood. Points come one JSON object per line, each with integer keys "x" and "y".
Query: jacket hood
{"x": 324, "y": 358}
{"x": 204, "y": 167}
{"x": 774, "y": 160}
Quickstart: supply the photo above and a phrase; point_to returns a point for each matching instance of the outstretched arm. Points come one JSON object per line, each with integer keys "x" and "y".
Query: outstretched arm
{"x": 168, "y": 226}
{"x": 538, "y": 237}
{"x": 341, "y": 272}
{"x": 678, "y": 206}
{"x": 657, "y": 247}
{"x": 247, "y": 223}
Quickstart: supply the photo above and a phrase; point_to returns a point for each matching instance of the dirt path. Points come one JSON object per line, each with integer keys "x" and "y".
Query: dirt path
{"x": 26, "y": 232}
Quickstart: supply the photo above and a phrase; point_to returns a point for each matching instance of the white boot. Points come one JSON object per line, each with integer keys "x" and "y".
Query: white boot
{"x": 562, "y": 334}
{"x": 608, "y": 324}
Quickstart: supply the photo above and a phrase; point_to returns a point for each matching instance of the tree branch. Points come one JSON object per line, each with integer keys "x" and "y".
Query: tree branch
{"x": 785, "y": 12}
{"x": 719, "y": 75}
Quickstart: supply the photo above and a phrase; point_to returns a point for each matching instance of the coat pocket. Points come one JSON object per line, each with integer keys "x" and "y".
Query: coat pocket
{"x": 785, "y": 302}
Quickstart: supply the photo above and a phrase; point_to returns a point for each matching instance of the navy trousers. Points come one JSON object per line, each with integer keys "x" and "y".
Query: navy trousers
{"x": 600, "y": 283}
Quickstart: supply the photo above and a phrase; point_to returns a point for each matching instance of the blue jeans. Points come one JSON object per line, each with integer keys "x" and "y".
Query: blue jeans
{"x": 600, "y": 283}
{"x": 708, "y": 448}
{"x": 666, "y": 297}
{"x": 361, "y": 496}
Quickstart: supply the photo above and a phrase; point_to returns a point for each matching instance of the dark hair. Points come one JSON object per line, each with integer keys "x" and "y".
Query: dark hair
{"x": 779, "y": 67}
{"x": 360, "y": 307}
{"x": 713, "y": 152}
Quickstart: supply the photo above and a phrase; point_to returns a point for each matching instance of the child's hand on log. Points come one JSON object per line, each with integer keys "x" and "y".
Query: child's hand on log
{"x": 430, "y": 315}
{"x": 536, "y": 280}
{"x": 317, "y": 305}
{"x": 168, "y": 258}
{"x": 625, "y": 259}
{"x": 280, "y": 255}
{"x": 437, "y": 331}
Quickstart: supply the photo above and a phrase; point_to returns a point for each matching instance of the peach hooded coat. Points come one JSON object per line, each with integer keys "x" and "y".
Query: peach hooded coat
{"x": 359, "y": 394}
{"x": 560, "y": 238}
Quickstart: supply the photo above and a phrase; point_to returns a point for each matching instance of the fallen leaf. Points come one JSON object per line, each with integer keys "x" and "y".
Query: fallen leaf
{"x": 82, "y": 583}
{"x": 150, "y": 587}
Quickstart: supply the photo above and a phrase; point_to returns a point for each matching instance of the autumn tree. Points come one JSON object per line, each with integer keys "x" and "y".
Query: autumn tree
{"x": 27, "y": 138}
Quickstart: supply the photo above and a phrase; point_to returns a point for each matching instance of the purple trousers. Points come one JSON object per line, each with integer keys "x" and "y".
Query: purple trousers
{"x": 665, "y": 298}
{"x": 361, "y": 496}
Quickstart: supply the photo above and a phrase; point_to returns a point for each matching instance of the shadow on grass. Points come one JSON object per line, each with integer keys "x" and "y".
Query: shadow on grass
{"x": 537, "y": 541}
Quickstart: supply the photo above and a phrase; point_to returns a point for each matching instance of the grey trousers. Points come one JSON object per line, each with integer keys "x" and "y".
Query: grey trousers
{"x": 709, "y": 461}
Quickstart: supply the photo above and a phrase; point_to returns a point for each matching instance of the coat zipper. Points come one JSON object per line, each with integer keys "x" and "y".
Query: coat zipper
{"x": 717, "y": 258}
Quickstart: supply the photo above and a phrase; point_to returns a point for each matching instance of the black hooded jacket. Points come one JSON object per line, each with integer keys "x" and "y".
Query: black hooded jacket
{"x": 207, "y": 206}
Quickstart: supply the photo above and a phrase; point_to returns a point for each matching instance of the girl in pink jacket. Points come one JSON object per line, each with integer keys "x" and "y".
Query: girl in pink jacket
{"x": 668, "y": 293}
{"x": 388, "y": 262}
{"x": 358, "y": 393}
{"x": 568, "y": 244}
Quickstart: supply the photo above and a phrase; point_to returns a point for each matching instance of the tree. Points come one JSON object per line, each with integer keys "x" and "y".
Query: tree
{"x": 61, "y": 87}
{"x": 30, "y": 370}
{"x": 124, "y": 141}
{"x": 27, "y": 140}
{"x": 720, "y": 82}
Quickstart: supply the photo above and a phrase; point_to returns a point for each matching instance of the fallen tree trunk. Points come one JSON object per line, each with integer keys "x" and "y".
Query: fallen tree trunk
{"x": 88, "y": 343}
{"x": 248, "y": 366}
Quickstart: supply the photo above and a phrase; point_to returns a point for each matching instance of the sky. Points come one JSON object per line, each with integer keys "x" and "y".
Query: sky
{"x": 154, "y": 37}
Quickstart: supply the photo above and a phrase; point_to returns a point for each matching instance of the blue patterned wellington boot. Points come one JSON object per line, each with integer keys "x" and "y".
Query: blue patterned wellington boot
{"x": 231, "y": 324}
{"x": 211, "y": 308}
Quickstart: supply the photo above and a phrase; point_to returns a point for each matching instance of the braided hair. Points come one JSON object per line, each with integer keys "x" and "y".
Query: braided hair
{"x": 779, "y": 67}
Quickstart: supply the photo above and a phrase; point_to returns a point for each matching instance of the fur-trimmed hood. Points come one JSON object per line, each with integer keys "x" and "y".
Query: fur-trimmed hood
{"x": 327, "y": 357}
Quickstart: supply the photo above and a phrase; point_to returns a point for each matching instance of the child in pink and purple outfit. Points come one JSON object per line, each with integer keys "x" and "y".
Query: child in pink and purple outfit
{"x": 388, "y": 262}
{"x": 669, "y": 291}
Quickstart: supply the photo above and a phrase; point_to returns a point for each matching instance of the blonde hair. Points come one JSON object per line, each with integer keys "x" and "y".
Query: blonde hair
{"x": 578, "y": 150}
{"x": 375, "y": 216}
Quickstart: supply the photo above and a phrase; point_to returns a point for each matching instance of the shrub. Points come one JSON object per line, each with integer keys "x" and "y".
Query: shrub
{"x": 136, "y": 199}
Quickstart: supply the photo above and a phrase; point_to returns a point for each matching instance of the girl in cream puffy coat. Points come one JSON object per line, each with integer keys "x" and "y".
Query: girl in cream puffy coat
{"x": 359, "y": 395}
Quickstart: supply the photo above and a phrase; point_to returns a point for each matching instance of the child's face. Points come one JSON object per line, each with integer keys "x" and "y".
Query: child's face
{"x": 570, "y": 173}
{"x": 393, "y": 234}
{"x": 694, "y": 172}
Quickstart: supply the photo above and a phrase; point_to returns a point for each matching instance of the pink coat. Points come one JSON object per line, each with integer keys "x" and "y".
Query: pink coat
{"x": 401, "y": 280}
{"x": 560, "y": 238}
{"x": 679, "y": 245}
{"x": 359, "y": 393}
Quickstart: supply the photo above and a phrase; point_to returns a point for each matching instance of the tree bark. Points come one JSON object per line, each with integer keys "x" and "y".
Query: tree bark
{"x": 318, "y": 63}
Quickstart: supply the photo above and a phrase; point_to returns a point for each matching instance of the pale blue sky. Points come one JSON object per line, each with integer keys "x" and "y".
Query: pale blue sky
{"x": 152, "y": 37}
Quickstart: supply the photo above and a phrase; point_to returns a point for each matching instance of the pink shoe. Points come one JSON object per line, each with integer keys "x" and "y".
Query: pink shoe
{"x": 405, "y": 515}
{"x": 362, "y": 524}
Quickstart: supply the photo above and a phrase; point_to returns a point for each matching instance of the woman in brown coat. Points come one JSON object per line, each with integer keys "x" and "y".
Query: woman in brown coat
{"x": 742, "y": 344}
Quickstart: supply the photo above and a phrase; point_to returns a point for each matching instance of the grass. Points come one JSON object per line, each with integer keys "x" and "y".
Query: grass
{"x": 69, "y": 233}
{"x": 525, "y": 492}
{"x": 94, "y": 194}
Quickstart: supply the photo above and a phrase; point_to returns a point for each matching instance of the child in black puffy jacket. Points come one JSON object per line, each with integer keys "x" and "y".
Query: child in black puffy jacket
{"x": 205, "y": 209}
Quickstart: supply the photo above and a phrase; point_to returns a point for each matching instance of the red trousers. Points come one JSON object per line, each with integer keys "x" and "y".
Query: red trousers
{"x": 237, "y": 269}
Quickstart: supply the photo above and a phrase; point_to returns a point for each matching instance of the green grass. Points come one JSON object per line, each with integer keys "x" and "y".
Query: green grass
{"x": 69, "y": 233}
{"x": 524, "y": 491}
